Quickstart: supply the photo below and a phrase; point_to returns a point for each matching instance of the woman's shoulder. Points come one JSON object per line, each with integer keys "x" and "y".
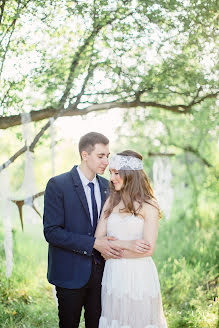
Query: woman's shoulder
{"x": 149, "y": 203}
{"x": 152, "y": 202}
{"x": 150, "y": 208}
{"x": 106, "y": 204}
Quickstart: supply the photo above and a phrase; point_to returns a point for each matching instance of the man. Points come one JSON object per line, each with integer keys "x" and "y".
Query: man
{"x": 73, "y": 203}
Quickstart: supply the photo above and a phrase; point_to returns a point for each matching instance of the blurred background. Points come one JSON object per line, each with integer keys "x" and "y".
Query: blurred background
{"x": 144, "y": 74}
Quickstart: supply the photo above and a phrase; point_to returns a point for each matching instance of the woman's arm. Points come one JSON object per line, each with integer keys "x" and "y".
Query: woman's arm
{"x": 137, "y": 246}
{"x": 102, "y": 223}
{"x": 102, "y": 242}
{"x": 151, "y": 218}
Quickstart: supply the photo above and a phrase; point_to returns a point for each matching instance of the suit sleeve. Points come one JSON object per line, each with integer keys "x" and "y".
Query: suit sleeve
{"x": 53, "y": 221}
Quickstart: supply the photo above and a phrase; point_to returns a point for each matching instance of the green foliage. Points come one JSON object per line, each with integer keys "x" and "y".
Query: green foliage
{"x": 165, "y": 52}
{"x": 193, "y": 139}
{"x": 66, "y": 155}
{"x": 187, "y": 246}
{"x": 134, "y": 46}
{"x": 188, "y": 270}
{"x": 185, "y": 257}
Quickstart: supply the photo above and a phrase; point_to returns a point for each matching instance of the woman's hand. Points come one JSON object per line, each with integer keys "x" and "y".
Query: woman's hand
{"x": 139, "y": 246}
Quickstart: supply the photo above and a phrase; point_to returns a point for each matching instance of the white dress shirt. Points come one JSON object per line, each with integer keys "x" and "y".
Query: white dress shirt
{"x": 87, "y": 191}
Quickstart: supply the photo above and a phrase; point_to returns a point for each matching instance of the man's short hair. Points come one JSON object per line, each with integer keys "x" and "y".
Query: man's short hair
{"x": 89, "y": 140}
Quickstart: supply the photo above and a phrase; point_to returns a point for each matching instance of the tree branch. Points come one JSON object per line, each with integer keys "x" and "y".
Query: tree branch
{"x": 2, "y": 10}
{"x": 151, "y": 154}
{"x": 46, "y": 126}
{"x": 194, "y": 151}
{"x": 13, "y": 120}
{"x": 73, "y": 66}
{"x": 59, "y": 110}
{"x": 6, "y": 50}
{"x": 196, "y": 96}
{"x": 9, "y": 39}
{"x": 90, "y": 38}
{"x": 5, "y": 97}
{"x": 190, "y": 149}
{"x": 211, "y": 95}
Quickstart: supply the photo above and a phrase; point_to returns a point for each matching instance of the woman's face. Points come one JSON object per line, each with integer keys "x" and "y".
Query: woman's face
{"x": 115, "y": 179}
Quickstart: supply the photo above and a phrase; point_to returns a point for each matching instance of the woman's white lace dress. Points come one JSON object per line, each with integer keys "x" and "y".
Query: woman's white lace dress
{"x": 131, "y": 295}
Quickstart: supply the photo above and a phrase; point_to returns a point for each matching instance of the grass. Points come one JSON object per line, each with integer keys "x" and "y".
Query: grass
{"x": 26, "y": 299}
{"x": 185, "y": 258}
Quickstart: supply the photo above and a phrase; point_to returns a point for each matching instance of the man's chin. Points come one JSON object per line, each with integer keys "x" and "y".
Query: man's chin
{"x": 100, "y": 171}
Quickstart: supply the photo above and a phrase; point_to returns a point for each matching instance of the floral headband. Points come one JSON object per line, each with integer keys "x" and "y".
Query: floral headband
{"x": 118, "y": 162}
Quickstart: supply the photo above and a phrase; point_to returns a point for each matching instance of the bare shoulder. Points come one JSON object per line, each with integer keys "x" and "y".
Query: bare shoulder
{"x": 151, "y": 209}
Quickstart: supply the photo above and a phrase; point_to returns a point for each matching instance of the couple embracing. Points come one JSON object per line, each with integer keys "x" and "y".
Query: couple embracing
{"x": 101, "y": 236}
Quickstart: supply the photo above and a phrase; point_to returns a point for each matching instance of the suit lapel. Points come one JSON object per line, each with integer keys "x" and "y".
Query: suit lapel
{"x": 81, "y": 194}
{"x": 80, "y": 190}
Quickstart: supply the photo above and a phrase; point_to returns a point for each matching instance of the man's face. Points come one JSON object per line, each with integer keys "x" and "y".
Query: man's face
{"x": 97, "y": 160}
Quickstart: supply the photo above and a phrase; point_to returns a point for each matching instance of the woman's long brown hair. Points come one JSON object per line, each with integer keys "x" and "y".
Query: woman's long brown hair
{"x": 136, "y": 188}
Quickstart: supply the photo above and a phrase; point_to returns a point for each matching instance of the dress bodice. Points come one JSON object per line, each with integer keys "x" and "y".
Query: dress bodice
{"x": 131, "y": 295}
{"x": 128, "y": 227}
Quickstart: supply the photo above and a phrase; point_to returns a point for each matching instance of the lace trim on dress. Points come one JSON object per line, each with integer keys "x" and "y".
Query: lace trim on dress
{"x": 127, "y": 312}
{"x": 115, "y": 324}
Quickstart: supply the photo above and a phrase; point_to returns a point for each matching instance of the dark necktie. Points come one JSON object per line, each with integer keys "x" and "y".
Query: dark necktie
{"x": 94, "y": 206}
{"x": 97, "y": 256}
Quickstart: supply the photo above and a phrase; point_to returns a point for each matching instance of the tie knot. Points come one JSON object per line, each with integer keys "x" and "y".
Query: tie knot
{"x": 91, "y": 185}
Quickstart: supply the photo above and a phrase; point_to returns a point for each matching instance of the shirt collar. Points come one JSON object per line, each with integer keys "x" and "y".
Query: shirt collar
{"x": 84, "y": 179}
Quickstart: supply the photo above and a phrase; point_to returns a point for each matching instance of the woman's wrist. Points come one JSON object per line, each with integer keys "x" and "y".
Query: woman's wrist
{"x": 124, "y": 244}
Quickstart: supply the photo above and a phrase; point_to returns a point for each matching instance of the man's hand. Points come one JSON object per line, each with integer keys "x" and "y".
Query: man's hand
{"x": 110, "y": 257}
{"x": 107, "y": 250}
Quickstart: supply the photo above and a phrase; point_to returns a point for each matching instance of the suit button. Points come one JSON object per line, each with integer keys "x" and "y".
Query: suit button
{"x": 89, "y": 233}
{"x": 85, "y": 252}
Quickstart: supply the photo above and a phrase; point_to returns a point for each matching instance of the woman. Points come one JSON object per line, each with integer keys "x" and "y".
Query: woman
{"x": 130, "y": 287}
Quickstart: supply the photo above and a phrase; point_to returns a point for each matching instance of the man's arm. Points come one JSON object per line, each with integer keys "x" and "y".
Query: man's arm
{"x": 53, "y": 221}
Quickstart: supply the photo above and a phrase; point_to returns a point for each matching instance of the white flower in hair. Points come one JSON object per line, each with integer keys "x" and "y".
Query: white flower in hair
{"x": 119, "y": 162}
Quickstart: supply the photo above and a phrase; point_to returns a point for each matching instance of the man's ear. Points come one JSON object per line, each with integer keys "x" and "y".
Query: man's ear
{"x": 84, "y": 155}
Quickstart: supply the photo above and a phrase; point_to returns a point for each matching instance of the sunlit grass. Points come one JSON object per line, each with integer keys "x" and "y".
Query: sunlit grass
{"x": 185, "y": 258}
{"x": 187, "y": 264}
{"x": 26, "y": 298}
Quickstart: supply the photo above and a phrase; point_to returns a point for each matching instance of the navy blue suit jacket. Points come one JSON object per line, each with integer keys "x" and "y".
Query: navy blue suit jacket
{"x": 68, "y": 229}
